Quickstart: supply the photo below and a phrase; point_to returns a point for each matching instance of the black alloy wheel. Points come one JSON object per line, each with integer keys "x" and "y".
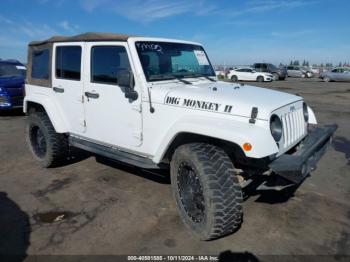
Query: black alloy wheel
{"x": 191, "y": 192}
{"x": 38, "y": 141}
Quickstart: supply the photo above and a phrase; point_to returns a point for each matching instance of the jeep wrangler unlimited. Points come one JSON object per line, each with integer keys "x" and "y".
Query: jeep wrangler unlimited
{"x": 156, "y": 103}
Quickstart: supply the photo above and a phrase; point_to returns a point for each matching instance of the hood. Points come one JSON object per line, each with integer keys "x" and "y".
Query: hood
{"x": 11, "y": 81}
{"x": 221, "y": 97}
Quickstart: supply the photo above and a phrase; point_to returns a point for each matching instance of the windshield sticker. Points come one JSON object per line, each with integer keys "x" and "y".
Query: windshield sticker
{"x": 198, "y": 104}
{"x": 201, "y": 57}
{"x": 149, "y": 47}
{"x": 21, "y": 67}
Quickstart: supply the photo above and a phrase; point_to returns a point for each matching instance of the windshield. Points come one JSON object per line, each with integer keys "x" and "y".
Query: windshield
{"x": 162, "y": 60}
{"x": 7, "y": 70}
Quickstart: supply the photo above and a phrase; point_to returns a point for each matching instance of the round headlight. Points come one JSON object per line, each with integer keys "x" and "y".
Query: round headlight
{"x": 276, "y": 127}
{"x": 305, "y": 112}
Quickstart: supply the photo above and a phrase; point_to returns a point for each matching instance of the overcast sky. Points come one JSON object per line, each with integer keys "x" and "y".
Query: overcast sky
{"x": 233, "y": 32}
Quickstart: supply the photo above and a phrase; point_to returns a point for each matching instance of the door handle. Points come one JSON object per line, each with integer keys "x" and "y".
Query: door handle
{"x": 58, "y": 89}
{"x": 92, "y": 95}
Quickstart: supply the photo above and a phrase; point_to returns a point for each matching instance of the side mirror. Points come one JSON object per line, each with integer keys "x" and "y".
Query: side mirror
{"x": 253, "y": 71}
{"x": 125, "y": 79}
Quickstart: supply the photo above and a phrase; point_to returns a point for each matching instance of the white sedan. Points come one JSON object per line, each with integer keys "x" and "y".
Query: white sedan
{"x": 248, "y": 74}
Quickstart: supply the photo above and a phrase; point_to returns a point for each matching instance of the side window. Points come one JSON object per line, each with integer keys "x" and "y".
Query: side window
{"x": 68, "y": 62}
{"x": 290, "y": 68}
{"x": 106, "y": 61}
{"x": 40, "y": 64}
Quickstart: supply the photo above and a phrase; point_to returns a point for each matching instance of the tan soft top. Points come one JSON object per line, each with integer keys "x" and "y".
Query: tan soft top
{"x": 86, "y": 37}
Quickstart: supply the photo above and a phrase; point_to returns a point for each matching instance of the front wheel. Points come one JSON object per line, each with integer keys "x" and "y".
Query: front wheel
{"x": 326, "y": 79}
{"x": 260, "y": 79}
{"x": 207, "y": 192}
{"x": 48, "y": 147}
{"x": 234, "y": 78}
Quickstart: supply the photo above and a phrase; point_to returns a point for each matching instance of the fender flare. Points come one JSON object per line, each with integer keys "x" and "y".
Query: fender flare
{"x": 230, "y": 130}
{"x": 51, "y": 110}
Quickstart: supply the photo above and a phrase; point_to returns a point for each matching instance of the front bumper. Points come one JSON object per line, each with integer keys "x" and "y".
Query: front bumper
{"x": 8, "y": 102}
{"x": 295, "y": 167}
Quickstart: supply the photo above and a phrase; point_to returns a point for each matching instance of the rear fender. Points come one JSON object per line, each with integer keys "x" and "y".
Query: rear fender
{"x": 51, "y": 110}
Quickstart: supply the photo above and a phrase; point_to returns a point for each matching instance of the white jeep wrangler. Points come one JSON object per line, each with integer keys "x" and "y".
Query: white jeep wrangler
{"x": 156, "y": 103}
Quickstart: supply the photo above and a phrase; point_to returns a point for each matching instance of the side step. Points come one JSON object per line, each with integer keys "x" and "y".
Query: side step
{"x": 114, "y": 153}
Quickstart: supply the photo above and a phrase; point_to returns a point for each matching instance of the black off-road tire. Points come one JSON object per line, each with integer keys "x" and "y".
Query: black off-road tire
{"x": 54, "y": 151}
{"x": 234, "y": 78}
{"x": 222, "y": 194}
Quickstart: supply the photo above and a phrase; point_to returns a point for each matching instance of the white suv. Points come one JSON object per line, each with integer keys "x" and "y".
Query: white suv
{"x": 156, "y": 103}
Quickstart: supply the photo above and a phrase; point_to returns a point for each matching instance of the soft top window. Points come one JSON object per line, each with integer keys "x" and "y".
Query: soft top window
{"x": 40, "y": 64}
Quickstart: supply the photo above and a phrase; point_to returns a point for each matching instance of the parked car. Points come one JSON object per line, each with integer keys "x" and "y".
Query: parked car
{"x": 309, "y": 72}
{"x": 279, "y": 73}
{"x": 315, "y": 70}
{"x": 12, "y": 75}
{"x": 298, "y": 71}
{"x": 249, "y": 74}
{"x": 337, "y": 74}
{"x": 155, "y": 103}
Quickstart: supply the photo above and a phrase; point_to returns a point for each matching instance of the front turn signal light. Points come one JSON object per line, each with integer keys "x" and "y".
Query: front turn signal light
{"x": 247, "y": 147}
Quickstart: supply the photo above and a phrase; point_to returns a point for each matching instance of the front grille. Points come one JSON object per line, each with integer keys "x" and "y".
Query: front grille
{"x": 17, "y": 100}
{"x": 3, "y": 99}
{"x": 293, "y": 127}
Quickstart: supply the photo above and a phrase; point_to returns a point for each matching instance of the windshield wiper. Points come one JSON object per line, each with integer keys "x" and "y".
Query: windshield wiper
{"x": 180, "y": 78}
{"x": 170, "y": 77}
{"x": 209, "y": 78}
{"x": 200, "y": 75}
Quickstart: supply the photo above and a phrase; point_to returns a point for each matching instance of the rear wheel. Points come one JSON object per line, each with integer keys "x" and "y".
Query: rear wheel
{"x": 234, "y": 78}
{"x": 48, "y": 147}
{"x": 260, "y": 79}
{"x": 326, "y": 79}
{"x": 207, "y": 192}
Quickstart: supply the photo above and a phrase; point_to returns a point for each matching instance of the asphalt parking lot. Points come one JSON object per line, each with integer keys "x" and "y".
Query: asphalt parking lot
{"x": 124, "y": 210}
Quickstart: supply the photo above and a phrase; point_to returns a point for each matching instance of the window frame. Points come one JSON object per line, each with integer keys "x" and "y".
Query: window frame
{"x": 81, "y": 63}
{"x": 91, "y": 63}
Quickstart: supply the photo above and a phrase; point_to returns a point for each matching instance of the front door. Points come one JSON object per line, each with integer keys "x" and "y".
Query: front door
{"x": 110, "y": 117}
{"x": 67, "y": 84}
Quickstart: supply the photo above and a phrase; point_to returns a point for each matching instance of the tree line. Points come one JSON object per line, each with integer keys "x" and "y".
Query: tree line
{"x": 306, "y": 63}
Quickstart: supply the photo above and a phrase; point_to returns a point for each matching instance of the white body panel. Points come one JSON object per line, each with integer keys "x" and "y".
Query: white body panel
{"x": 214, "y": 109}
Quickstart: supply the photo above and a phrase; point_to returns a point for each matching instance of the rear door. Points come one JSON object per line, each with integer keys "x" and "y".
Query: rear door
{"x": 67, "y": 84}
{"x": 110, "y": 117}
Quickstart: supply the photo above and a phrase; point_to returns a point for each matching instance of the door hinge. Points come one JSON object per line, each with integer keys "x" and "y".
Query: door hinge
{"x": 137, "y": 108}
{"x": 137, "y": 135}
{"x": 82, "y": 99}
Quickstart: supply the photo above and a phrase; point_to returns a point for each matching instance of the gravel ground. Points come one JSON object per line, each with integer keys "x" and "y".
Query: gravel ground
{"x": 115, "y": 209}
